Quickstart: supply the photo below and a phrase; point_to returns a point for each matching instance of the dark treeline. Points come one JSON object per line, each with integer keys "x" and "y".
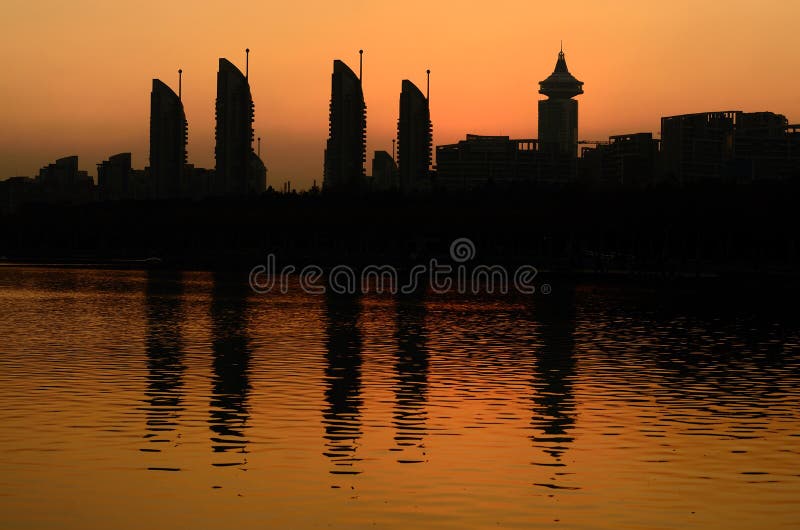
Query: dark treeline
{"x": 688, "y": 231}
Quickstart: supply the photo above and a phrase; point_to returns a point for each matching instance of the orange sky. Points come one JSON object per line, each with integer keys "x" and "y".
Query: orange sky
{"x": 77, "y": 75}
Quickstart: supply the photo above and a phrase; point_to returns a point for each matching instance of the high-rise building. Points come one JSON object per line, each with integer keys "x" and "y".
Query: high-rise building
{"x": 414, "y": 132}
{"x": 558, "y": 115}
{"x": 236, "y": 171}
{"x": 168, "y": 135}
{"x": 346, "y": 149}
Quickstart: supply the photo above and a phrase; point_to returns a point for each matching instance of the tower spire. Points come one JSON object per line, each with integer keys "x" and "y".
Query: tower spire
{"x": 360, "y": 64}
{"x": 247, "y": 64}
{"x": 180, "y": 82}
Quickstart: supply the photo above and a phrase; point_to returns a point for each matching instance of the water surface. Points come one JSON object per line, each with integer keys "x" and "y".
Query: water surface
{"x": 135, "y": 399}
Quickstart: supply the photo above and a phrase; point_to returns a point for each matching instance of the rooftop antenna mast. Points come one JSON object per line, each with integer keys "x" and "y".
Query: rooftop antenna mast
{"x": 428, "y": 91}
{"x": 259, "y": 147}
{"x": 394, "y": 140}
{"x": 360, "y": 64}
{"x": 247, "y": 64}
{"x": 180, "y": 82}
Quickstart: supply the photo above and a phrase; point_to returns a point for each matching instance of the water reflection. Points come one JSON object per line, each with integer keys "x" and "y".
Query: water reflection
{"x": 342, "y": 415}
{"x": 555, "y": 369}
{"x": 411, "y": 382}
{"x": 163, "y": 397}
{"x": 230, "y": 384}
{"x": 685, "y": 416}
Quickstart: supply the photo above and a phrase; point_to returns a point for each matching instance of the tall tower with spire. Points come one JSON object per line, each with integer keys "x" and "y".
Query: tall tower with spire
{"x": 239, "y": 170}
{"x": 346, "y": 148}
{"x": 168, "y": 135}
{"x": 558, "y": 114}
{"x": 414, "y": 133}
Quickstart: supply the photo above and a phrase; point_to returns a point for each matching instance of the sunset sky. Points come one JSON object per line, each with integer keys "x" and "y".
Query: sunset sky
{"x": 77, "y": 75}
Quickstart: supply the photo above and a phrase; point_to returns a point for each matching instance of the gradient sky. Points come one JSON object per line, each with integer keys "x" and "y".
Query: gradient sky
{"x": 77, "y": 75}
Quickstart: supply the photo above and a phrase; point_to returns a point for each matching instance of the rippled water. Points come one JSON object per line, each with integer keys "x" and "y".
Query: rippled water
{"x": 136, "y": 399}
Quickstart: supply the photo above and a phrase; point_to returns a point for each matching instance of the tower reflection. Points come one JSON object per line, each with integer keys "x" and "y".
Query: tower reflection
{"x": 342, "y": 416}
{"x": 230, "y": 384}
{"x": 411, "y": 382}
{"x": 163, "y": 317}
{"x": 554, "y": 401}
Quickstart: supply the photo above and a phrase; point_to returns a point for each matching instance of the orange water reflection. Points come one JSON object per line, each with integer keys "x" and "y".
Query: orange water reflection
{"x": 133, "y": 399}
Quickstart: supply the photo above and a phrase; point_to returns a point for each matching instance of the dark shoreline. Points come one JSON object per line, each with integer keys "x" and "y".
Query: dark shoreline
{"x": 702, "y": 234}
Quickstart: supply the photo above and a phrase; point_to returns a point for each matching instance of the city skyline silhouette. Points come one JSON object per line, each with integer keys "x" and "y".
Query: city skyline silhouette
{"x": 721, "y": 146}
{"x": 704, "y": 162}
{"x": 399, "y": 265}
{"x": 635, "y": 75}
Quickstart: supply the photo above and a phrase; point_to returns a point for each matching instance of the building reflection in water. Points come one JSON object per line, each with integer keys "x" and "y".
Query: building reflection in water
{"x": 342, "y": 415}
{"x": 163, "y": 317}
{"x": 555, "y": 369}
{"x": 230, "y": 385}
{"x": 411, "y": 381}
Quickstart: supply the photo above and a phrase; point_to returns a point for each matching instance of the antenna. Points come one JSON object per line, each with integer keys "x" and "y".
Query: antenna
{"x": 562, "y": 46}
{"x": 360, "y": 64}
{"x": 428, "y": 91}
{"x": 394, "y": 140}
{"x": 180, "y": 81}
{"x": 259, "y": 147}
{"x": 247, "y": 63}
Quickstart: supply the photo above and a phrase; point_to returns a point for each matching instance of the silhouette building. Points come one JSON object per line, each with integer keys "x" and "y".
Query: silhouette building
{"x": 414, "y": 138}
{"x": 481, "y": 160}
{"x": 346, "y": 149}
{"x": 729, "y": 145}
{"x": 237, "y": 170}
{"x": 62, "y": 181}
{"x": 558, "y": 117}
{"x": 625, "y": 160}
{"x": 168, "y": 135}
{"x": 384, "y": 171}
{"x": 116, "y": 179}
{"x": 16, "y": 191}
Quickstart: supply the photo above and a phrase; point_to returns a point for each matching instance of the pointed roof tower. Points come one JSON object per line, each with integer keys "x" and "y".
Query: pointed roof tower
{"x": 561, "y": 83}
